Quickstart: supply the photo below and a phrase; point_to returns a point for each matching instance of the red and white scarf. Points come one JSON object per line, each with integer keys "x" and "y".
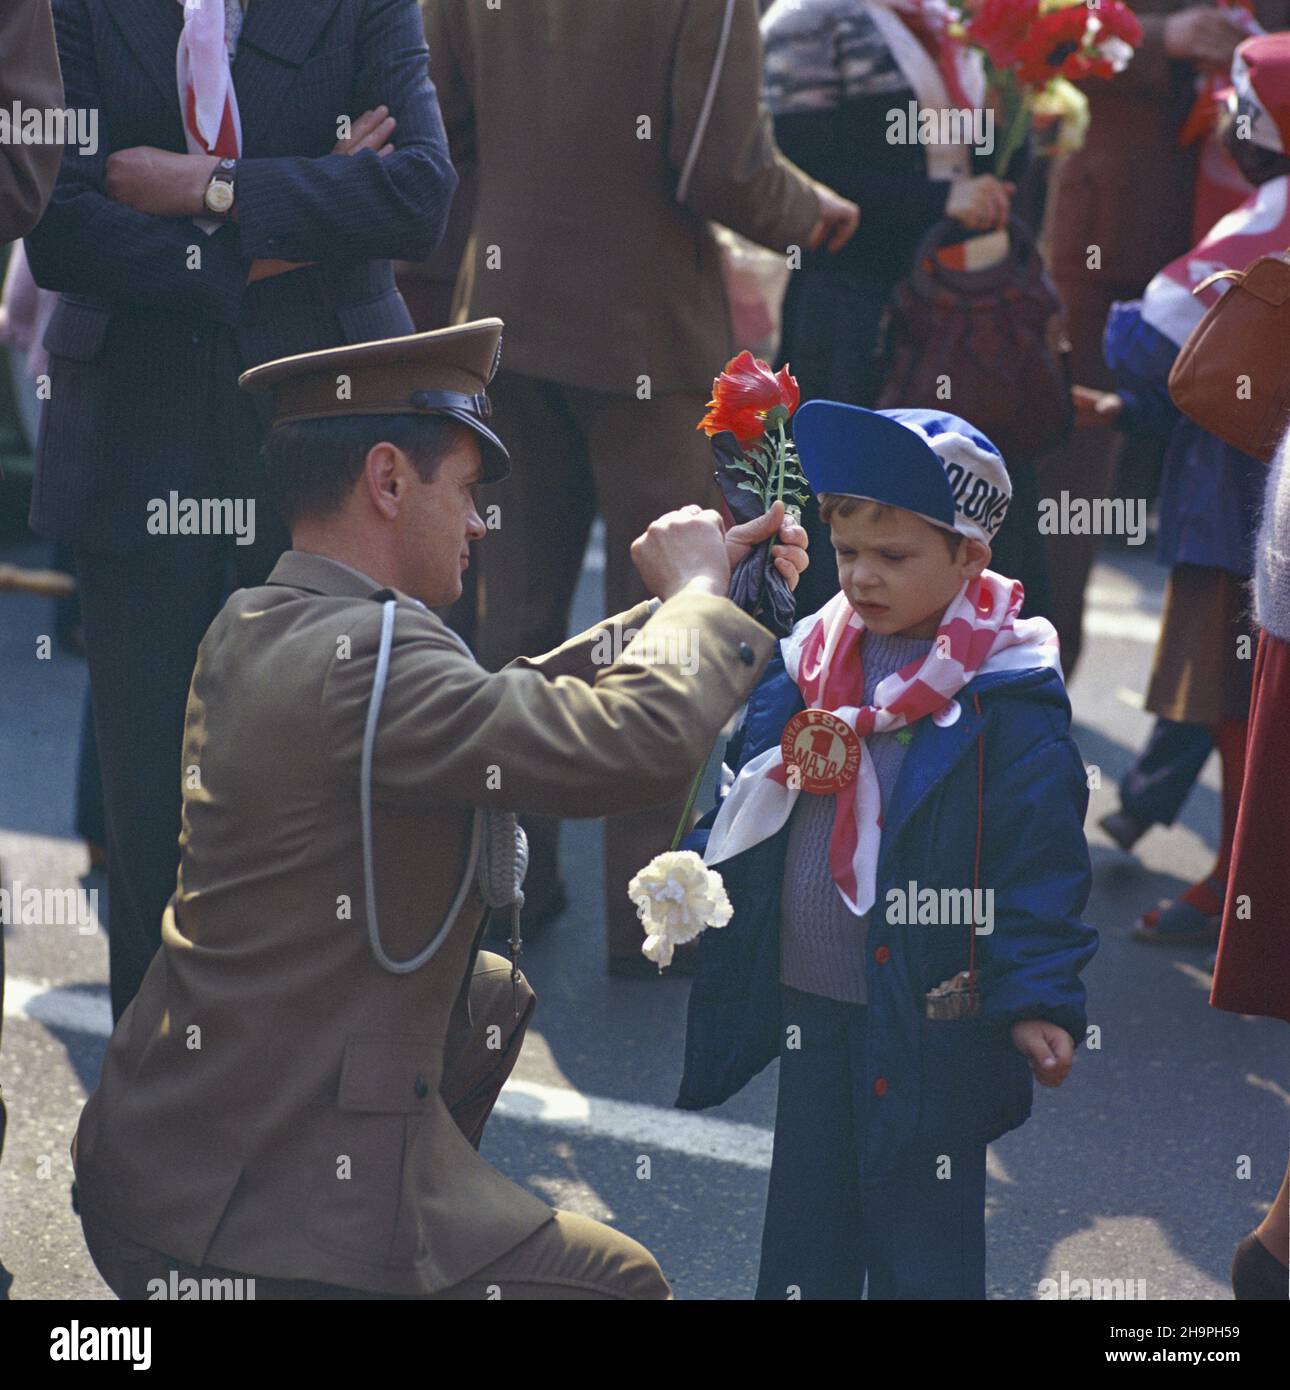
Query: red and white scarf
{"x": 980, "y": 632}
{"x": 206, "y": 96}
{"x": 1259, "y": 227}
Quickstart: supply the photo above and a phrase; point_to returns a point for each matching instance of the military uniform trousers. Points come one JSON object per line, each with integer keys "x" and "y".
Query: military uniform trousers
{"x": 571, "y": 1257}
{"x": 918, "y": 1235}
{"x": 575, "y": 452}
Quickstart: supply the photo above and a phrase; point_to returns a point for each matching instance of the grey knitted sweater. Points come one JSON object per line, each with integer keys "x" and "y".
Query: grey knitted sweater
{"x": 822, "y": 942}
{"x": 1272, "y": 550}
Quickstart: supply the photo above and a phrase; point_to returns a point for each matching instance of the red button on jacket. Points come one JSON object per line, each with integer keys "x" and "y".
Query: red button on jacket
{"x": 880, "y": 1086}
{"x": 882, "y": 955}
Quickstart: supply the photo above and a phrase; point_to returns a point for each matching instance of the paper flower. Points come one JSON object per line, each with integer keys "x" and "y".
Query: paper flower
{"x": 748, "y": 422}
{"x": 677, "y": 896}
{"x": 744, "y": 395}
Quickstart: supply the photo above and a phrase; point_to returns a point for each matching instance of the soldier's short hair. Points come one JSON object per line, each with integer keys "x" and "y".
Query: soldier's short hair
{"x": 312, "y": 465}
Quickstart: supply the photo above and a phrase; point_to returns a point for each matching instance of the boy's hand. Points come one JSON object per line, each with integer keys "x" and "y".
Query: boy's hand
{"x": 790, "y": 557}
{"x": 1049, "y": 1049}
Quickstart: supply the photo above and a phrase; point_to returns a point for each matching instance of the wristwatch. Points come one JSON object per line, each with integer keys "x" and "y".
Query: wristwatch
{"x": 222, "y": 189}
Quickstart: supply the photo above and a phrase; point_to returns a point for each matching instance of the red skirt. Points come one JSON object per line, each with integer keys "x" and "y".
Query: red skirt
{"x": 1252, "y": 975}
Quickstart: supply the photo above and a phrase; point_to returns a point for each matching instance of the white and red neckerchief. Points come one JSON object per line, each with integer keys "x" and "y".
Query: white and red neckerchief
{"x": 953, "y": 78}
{"x": 207, "y": 100}
{"x": 979, "y": 633}
{"x": 1259, "y": 227}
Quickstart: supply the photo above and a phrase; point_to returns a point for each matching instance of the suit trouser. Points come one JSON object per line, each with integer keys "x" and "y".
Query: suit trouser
{"x": 1163, "y": 774}
{"x": 574, "y": 452}
{"x": 1084, "y": 464}
{"x": 571, "y": 1257}
{"x": 918, "y": 1235}
{"x": 145, "y": 612}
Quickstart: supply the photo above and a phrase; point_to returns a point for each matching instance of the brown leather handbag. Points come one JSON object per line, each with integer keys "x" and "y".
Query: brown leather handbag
{"x": 1232, "y": 375}
{"x": 980, "y": 344}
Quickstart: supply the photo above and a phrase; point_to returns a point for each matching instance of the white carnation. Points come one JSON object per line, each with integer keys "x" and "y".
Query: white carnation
{"x": 677, "y": 896}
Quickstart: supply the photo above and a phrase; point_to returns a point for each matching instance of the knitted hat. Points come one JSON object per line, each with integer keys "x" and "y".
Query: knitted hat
{"x": 924, "y": 461}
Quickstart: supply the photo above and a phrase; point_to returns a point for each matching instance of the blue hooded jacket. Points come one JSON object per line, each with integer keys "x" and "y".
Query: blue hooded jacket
{"x": 1210, "y": 493}
{"x": 996, "y": 799}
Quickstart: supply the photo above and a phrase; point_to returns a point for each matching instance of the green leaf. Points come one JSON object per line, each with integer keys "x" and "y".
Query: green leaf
{"x": 743, "y": 468}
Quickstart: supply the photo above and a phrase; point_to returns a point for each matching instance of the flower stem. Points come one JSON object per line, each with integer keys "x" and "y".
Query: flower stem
{"x": 689, "y": 806}
{"x": 1018, "y": 124}
{"x": 781, "y": 455}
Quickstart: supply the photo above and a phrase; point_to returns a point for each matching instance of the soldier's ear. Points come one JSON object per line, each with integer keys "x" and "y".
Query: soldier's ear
{"x": 384, "y": 476}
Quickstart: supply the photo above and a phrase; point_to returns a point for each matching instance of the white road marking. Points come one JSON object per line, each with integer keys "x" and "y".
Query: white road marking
{"x": 647, "y": 1127}
{"x": 1125, "y": 625}
{"x": 76, "y": 1010}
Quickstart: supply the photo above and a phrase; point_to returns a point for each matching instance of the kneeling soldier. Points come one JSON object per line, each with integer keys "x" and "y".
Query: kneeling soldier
{"x": 298, "y": 1091}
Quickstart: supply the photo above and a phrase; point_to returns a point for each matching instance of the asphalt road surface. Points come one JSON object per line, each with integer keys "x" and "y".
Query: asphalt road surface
{"x": 1130, "y": 1171}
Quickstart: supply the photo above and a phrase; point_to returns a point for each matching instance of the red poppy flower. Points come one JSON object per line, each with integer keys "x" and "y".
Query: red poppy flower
{"x": 1119, "y": 22}
{"x": 743, "y": 394}
{"x": 1000, "y": 27}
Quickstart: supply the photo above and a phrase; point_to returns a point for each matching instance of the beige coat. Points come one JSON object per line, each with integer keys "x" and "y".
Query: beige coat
{"x": 270, "y": 1101}
{"x": 579, "y": 115}
{"x": 30, "y": 76}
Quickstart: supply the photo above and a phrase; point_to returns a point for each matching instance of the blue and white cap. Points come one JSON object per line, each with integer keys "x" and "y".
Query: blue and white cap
{"x": 924, "y": 461}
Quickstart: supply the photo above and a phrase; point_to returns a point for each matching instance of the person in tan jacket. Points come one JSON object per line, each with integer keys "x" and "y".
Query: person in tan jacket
{"x": 31, "y": 81}
{"x": 297, "y": 1092}
{"x": 606, "y": 137}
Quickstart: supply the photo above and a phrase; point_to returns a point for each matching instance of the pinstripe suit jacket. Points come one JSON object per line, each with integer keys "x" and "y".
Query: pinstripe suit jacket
{"x": 147, "y": 340}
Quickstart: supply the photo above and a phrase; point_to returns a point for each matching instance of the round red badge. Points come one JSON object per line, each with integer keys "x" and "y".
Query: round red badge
{"x": 823, "y": 748}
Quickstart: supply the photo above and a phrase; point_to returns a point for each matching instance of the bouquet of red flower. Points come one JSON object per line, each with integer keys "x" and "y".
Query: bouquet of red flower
{"x": 1034, "y": 50}
{"x": 757, "y": 465}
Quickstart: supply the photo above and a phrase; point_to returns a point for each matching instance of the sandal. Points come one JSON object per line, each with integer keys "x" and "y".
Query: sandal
{"x": 1178, "y": 924}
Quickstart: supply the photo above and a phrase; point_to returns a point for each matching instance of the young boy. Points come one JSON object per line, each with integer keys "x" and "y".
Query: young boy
{"x": 903, "y": 845}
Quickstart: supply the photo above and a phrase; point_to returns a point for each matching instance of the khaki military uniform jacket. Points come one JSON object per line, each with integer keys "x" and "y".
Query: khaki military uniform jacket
{"x": 270, "y": 1102}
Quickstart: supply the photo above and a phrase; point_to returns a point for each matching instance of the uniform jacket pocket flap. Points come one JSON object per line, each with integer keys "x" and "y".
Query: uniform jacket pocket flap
{"x": 390, "y": 1075}
{"x": 76, "y": 330}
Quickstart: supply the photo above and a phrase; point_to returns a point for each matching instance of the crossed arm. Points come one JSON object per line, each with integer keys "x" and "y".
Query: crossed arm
{"x": 119, "y": 224}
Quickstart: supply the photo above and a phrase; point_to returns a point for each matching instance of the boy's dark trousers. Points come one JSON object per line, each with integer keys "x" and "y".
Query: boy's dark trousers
{"x": 917, "y": 1236}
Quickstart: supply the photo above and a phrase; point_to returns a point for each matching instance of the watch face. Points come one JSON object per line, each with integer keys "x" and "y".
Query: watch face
{"x": 219, "y": 196}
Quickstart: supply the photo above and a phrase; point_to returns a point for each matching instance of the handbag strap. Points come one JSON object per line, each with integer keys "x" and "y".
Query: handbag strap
{"x": 709, "y": 98}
